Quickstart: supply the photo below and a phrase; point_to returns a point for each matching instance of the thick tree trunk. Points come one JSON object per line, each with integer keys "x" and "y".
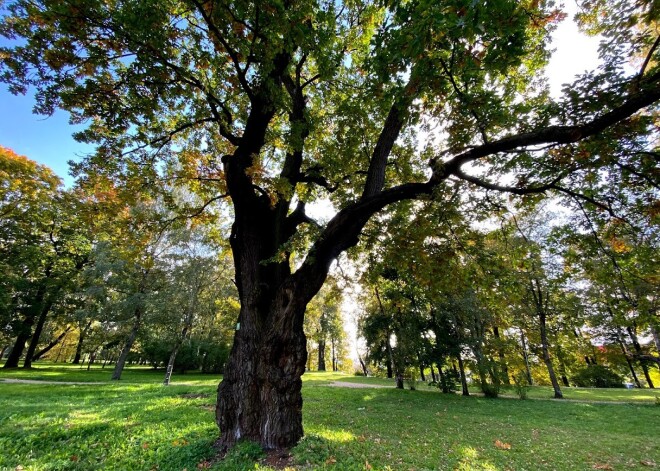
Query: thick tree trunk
{"x": 504, "y": 377}
{"x": 51, "y": 345}
{"x": 259, "y": 398}
{"x": 399, "y": 379}
{"x": 546, "y": 356}
{"x": 121, "y": 361}
{"x": 321, "y": 365}
{"x": 639, "y": 352}
{"x": 34, "y": 341}
{"x": 17, "y": 349}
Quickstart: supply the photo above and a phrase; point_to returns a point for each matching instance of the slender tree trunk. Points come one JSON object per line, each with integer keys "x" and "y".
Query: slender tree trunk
{"x": 364, "y": 367}
{"x": 335, "y": 366}
{"x": 638, "y": 351}
{"x": 528, "y": 371}
{"x": 121, "y": 361}
{"x": 81, "y": 339}
{"x": 433, "y": 377}
{"x": 546, "y": 356}
{"x": 59, "y": 353}
{"x": 562, "y": 366}
{"x": 90, "y": 362}
{"x": 626, "y": 354}
{"x": 461, "y": 369}
{"x": 389, "y": 363}
{"x": 2, "y": 353}
{"x": 52, "y": 344}
{"x": 175, "y": 350}
{"x": 421, "y": 368}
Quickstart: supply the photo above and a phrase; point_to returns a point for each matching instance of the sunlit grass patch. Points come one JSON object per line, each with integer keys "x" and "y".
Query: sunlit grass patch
{"x": 143, "y": 425}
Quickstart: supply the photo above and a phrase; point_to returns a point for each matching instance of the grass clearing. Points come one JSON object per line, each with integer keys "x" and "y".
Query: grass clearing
{"x": 139, "y": 424}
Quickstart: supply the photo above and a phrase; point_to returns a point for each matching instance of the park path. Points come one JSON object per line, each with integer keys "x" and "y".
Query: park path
{"x": 344, "y": 384}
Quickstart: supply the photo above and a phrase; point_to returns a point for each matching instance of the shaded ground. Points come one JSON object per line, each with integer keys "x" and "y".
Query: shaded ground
{"x": 38, "y": 381}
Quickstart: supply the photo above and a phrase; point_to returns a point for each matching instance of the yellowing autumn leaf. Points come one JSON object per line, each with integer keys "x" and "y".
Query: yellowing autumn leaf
{"x": 502, "y": 446}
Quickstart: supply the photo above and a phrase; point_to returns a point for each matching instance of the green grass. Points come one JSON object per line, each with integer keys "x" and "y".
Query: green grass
{"x": 138, "y": 424}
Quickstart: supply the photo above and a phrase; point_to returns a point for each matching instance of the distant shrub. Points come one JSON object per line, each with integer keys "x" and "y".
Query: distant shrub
{"x": 521, "y": 384}
{"x": 449, "y": 381}
{"x": 411, "y": 378}
{"x": 597, "y": 376}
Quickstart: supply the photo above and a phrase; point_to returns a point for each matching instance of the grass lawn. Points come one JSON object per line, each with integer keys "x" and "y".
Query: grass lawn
{"x": 138, "y": 424}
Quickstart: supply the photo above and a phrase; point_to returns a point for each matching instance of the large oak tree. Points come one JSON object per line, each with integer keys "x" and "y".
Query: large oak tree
{"x": 274, "y": 104}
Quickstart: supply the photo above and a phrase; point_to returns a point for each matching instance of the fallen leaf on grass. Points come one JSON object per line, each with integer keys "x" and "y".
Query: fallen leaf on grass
{"x": 74, "y": 458}
{"x": 367, "y": 465}
{"x": 649, "y": 463}
{"x": 203, "y": 465}
{"x": 602, "y": 466}
{"x": 145, "y": 445}
{"x": 502, "y": 446}
{"x": 331, "y": 460}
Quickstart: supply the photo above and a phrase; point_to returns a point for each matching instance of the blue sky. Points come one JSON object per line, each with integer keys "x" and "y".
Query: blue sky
{"x": 48, "y": 140}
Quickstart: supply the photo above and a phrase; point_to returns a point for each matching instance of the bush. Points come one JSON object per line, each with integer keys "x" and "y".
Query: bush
{"x": 214, "y": 357}
{"x": 188, "y": 357}
{"x": 597, "y": 376}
